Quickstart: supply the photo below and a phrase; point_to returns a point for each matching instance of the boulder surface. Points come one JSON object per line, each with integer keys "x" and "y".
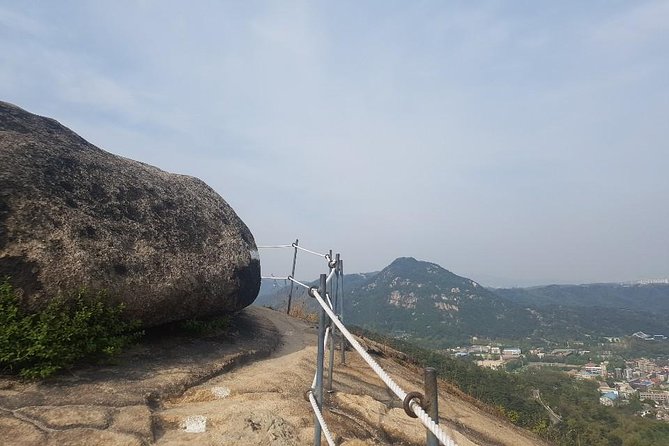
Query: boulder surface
{"x": 73, "y": 215}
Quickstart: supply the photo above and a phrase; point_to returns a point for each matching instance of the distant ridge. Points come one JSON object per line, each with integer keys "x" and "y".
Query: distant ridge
{"x": 620, "y": 308}
{"x": 639, "y": 295}
{"x": 423, "y": 301}
{"x": 647, "y": 282}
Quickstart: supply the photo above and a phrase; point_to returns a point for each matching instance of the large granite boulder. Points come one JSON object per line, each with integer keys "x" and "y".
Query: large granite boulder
{"x": 73, "y": 215}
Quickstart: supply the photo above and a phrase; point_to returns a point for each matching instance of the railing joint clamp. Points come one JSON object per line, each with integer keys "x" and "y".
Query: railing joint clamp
{"x": 406, "y": 404}
{"x": 312, "y": 291}
{"x": 306, "y": 394}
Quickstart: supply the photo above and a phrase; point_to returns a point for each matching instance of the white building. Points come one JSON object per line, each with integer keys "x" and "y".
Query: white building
{"x": 658, "y": 397}
{"x": 592, "y": 370}
{"x": 511, "y": 352}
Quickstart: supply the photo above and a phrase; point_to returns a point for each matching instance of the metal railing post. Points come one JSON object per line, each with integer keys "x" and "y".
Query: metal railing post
{"x": 335, "y": 301}
{"x": 341, "y": 312}
{"x": 431, "y": 402}
{"x": 318, "y": 391}
{"x": 292, "y": 274}
{"x": 333, "y": 328}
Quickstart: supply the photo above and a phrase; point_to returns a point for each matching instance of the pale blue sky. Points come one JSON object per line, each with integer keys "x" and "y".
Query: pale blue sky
{"x": 513, "y": 142}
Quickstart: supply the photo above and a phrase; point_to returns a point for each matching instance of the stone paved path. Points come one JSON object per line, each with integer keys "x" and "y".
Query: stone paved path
{"x": 115, "y": 404}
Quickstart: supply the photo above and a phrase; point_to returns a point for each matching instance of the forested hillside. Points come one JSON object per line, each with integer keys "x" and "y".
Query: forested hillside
{"x": 584, "y": 420}
{"x": 428, "y": 302}
{"x": 595, "y": 309}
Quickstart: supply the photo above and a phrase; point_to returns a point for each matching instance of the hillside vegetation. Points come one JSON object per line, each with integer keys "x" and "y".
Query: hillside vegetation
{"x": 72, "y": 327}
{"x": 585, "y": 421}
{"x": 620, "y": 308}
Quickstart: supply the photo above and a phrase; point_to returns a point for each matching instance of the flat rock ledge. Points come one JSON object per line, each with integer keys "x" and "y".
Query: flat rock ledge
{"x": 116, "y": 405}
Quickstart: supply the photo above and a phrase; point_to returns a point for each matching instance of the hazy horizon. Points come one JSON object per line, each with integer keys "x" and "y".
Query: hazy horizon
{"x": 483, "y": 279}
{"x": 516, "y": 143}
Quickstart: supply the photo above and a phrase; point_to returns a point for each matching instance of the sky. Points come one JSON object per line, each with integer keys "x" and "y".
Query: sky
{"x": 512, "y": 142}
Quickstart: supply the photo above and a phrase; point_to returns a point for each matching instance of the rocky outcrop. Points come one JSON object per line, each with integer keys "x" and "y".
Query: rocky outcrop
{"x": 72, "y": 215}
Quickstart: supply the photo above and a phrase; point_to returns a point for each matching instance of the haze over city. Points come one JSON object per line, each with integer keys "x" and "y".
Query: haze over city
{"x": 515, "y": 144}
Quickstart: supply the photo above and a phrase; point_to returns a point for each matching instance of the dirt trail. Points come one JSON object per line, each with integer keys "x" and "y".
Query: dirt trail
{"x": 260, "y": 403}
{"x": 263, "y": 403}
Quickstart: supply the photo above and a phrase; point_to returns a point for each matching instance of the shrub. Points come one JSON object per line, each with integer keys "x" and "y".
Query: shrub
{"x": 301, "y": 311}
{"x": 72, "y": 327}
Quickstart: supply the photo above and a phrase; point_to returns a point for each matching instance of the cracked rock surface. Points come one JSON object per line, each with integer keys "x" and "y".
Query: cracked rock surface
{"x": 118, "y": 404}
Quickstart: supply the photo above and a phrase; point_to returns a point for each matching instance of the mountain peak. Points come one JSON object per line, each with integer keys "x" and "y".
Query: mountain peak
{"x": 421, "y": 298}
{"x": 411, "y": 262}
{"x": 403, "y": 261}
{"x": 409, "y": 267}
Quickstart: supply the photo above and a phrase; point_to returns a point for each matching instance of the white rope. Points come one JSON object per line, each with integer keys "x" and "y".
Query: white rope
{"x": 329, "y": 277}
{"x": 314, "y": 404}
{"x": 397, "y": 390}
{"x": 321, "y": 420}
{"x": 293, "y": 245}
{"x": 325, "y": 343}
{"x": 431, "y": 425}
{"x": 303, "y": 284}
{"x": 329, "y": 301}
{"x": 274, "y": 277}
{"x": 310, "y": 251}
{"x": 298, "y": 282}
